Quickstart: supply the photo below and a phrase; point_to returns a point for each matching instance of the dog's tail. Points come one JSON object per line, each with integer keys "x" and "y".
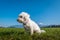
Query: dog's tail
{"x": 43, "y": 31}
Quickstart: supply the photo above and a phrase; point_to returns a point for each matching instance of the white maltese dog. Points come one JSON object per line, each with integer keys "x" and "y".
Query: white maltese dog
{"x": 29, "y": 24}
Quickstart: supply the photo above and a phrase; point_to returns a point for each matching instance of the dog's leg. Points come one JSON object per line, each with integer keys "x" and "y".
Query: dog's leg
{"x": 31, "y": 31}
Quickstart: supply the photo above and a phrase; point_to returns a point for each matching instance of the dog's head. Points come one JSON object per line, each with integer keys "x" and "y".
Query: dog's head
{"x": 23, "y": 16}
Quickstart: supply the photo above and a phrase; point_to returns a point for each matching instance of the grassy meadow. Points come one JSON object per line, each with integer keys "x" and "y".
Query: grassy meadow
{"x": 20, "y": 34}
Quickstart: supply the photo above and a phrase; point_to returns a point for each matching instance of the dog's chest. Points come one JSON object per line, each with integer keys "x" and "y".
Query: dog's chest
{"x": 27, "y": 26}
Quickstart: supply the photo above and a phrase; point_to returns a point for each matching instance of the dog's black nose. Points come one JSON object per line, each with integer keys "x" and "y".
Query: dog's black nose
{"x": 17, "y": 20}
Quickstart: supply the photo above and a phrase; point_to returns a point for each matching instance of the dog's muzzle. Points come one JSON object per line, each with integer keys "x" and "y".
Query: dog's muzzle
{"x": 19, "y": 21}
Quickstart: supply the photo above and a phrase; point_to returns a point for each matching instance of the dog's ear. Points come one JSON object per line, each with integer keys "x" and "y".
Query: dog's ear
{"x": 26, "y": 18}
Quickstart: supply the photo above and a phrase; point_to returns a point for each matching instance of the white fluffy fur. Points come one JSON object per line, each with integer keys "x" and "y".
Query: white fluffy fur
{"x": 29, "y": 24}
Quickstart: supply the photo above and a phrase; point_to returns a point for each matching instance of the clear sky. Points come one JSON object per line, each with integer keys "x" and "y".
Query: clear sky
{"x": 41, "y": 11}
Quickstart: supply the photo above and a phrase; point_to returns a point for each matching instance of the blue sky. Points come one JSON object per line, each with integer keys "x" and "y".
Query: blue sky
{"x": 41, "y": 11}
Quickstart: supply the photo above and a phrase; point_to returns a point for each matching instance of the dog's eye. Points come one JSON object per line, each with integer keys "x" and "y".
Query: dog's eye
{"x": 20, "y": 16}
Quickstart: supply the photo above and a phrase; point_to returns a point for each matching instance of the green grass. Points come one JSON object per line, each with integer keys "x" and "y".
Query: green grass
{"x": 20, "y": 34}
